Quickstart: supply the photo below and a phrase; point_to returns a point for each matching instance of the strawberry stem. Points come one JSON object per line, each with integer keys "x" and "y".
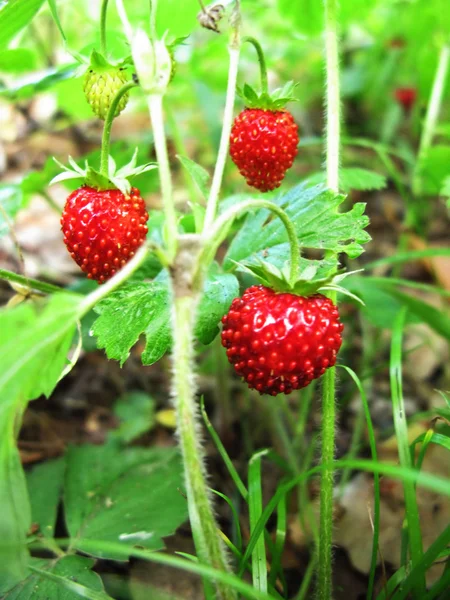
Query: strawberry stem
{"x": 222, "y": 225}
{"x": 261, "y": 60}
{"x": 213, "y": 199}
{"x": 103, "y": 12}
{"x": 324, "y": 575}
{"x": 106, "y": 138}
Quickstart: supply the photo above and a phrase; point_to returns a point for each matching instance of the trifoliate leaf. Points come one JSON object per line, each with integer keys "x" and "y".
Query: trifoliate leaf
{"x": 314, "y": 213}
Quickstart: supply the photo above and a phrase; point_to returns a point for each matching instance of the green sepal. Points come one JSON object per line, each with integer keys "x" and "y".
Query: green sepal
{"x": 275, "y": 101}
{"x": 116, "y": 178}
{"x": 306, "y": 284}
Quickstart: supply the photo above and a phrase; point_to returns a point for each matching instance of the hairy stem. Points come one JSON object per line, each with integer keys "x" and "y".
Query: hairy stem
{"x": 159, "y": 135}
{"x": 209, "y": 546}
{"x": 431, "y": 118}
{"x": 106, "y": 137}
{"x": 103, "y": 12}
{"x": 27, "y": 282}
{"x": 324, "y": 581}
{"x": 261, "y": 60}
{"x": 211, "y": 208}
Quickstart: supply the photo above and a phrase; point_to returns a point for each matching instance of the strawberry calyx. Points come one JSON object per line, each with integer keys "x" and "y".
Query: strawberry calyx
{"x": 274, "y": 101}
{"x": 115, "y": 179}
{"x": 100, "y": 64}
{"x": 307, "y": 283}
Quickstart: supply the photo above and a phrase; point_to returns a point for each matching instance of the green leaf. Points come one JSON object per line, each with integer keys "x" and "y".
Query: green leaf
{"x": 14, "y": 16}
{"x": 144, "y": 308}
{"x": 73, "y": 569}
{"x": 11, "y": 201}
{"x": 39, "y": 82}
{"x": 33, "y": 355}
{"x": 318, "y": 224}
{"x": 383, "y": 300}
{"x": 45, "y": 483}
{"x": 128, "y": 312}
{"x": 136, "y": 413}
{"x": 54, "y": 12}
{"x": 434, "y": 168}
{"x": 353, "y": 178}
{"x": 18, "y": 60}
{"x": 220, "y": 290}
{"x": 125, "y": 496}
{"x": 200, "y": 176}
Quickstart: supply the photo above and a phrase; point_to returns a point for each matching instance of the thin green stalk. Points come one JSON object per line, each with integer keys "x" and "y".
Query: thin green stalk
{"x": 34, "y": 284}
{"x": 261, "y": 60}
{"x": 213, "y": 200}
{"x": 103, "y": 12}
{"x": 153, "y": 11}
{"x": 221, "y": 225}
{"x": 106, "y": 137}
{"x": 333, "y": 126}
{"x": 209, "y": 546}
{"x": 159, "y": 136}
{"x": 431, "y": 118}
{"x": 412, "y": 517}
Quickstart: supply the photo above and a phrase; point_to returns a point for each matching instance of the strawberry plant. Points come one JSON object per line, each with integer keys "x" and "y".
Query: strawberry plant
{"x": 217, "y": 270}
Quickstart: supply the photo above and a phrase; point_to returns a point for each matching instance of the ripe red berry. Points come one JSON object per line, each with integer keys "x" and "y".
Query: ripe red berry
{"x": 263, "y": 145}
{"x": 406, "y": 96}
{"x": 103, "y": 229}
{"x": 279, "y": 342}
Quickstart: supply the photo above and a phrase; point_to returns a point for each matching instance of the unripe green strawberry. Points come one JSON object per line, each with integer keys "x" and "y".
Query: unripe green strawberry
{"x": 100, "y": 87}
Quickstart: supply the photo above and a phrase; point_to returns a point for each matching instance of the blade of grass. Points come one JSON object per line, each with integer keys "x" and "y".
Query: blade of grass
{"x": 417, "y": 574}
{"x": 198, "y": 568}
{"x": 376, "y": 482}
{"x": 259, "y": 567}
{"x": 307, "y": 578}
{"x": 71, "y": 586}
{"x": 235, "y": 517}
{"x": 401, "y": 430}
{"x": 280, "y": 538}
{"x": 223, "y": 453}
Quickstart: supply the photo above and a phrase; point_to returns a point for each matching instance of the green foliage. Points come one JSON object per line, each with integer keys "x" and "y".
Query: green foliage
{"x": 70, "y": 568}
{"x": 14, "y": 16}
{"x": 40, "y": 81}
{"x": 434, "y": 168}
{"x": 125, "y": 496}
{"x": 45, "y": 482}
{"x": 200, "y": 176}
{"x": 33, "y": 356}
{"x": 144, "y": 308}
{"x": 317, "y": 222}
{"x": 136, "y": 414}
{"x": 353, "y": 178}
{"x": 17, "y": 60}
{"x": 11, "y": 201}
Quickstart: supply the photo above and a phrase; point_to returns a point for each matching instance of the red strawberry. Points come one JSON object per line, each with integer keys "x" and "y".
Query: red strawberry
{"x": 406, "y": 96}
{"x": 103, "y": 229}
{"x": 279, "y": 342}
{"x": 263, "y": 145}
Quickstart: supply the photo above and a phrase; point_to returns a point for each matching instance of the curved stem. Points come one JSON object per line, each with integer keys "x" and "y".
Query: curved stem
{"x": 223, "y": 223}
{"x": 261, "y": 60}
{"x": 103, "y": 12}
{"x": 106, "y": 137}
{"x": 156, "y": 116}
{"x": 209, "y": 547}
{"x": 34, "y": 284}
{"x": 324, "y": 575}
{"x": 431, "y": 118}
{"x": 211, "y": 208}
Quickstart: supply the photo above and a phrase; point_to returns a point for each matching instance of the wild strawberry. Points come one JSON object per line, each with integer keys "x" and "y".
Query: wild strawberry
{"x": 103, "y": 229}
{"x": 263, "y": 145}
{"x": 102, "y": 81}
{"x": 406, "y": 97}
{"x": 280, "y": 342}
